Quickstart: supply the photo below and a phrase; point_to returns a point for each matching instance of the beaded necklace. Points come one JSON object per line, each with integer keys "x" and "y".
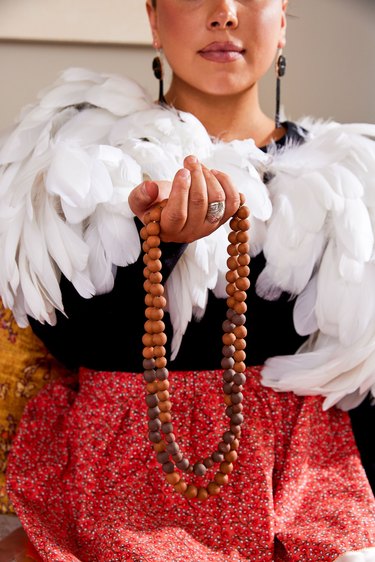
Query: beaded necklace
{"x": 158, "y": 398}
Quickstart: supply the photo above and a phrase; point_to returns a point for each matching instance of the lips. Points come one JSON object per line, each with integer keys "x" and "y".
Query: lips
{"x": 222, "y": 51}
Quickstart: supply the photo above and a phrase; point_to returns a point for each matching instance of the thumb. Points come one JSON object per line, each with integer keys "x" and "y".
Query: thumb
{"x": 142, "y": 197}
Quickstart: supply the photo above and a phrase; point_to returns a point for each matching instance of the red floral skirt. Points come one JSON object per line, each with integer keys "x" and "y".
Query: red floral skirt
{"x": 85, "y": 483}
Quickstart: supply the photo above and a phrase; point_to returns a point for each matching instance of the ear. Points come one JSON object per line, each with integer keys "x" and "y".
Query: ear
{"x": 152, "y": 16}
{"x": 282, "y": 39}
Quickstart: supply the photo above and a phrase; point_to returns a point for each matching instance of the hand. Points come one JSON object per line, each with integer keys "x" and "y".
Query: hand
{"x": 184, "y": 218}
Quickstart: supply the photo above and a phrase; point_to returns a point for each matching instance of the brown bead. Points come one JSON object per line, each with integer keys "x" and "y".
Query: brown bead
{"x": 143, "y": 233}
{"x": 154, "y": 241}
{"x": 183, "y": 464}
{"x": 148, "y": 352}
{"x": 236, "y": 419}
{"x": 147, "y": 285}
{"x": 239, "y": 344}
{"x": 239, "y": 378}
{"x": 173, "y": 478}
{"x": 155, "y": 277}
{"x": 208, "y": 462}
{"x": 223, "y": 447}
{"x": 227, "y": 400}
{"x": 155, "y": 254}
{"x": 168, "y": 467}
{"x": 163, "y": 395}
{"x": 244, "y": 260}
{"x": 239, "y": 355}
{"x": 226, "y": 467}
{"x": 159, "y": 351}
{"x": 242, "y": 236}
{"x": 232, "y": 237}
{"x": 159, "y": 301}
{"x": 221, "y": 478}
{"x": 170, "y": 438}
{"x": 162, "y": 457}
{"x": 149, "y": 299}
{"x": 232, "y": 263}
{"x": 167, "y": 427}
{"x": 160, "y": 362}
{"x": 231, "y": 276}
{"x": 243, "y": 212}
{"x": 228, "y": 339}
{"x": 240, "y": 307}
{"x": 227, "y": 363}
{"x": 191, "y": 492}
{"x": 147, "y": 340}
{"x": 155, "y": 214}
{"x": 145, "y": 247}
{"x": 173, "y": 448}
{"x": 153, "y": 413}
{"x": 228, "y": 437}
{"x": 231, "y": 301}
{"x": 153, "y": 313}
{"x": 244, "y": 248}
{"x": 159, "y": 447}
{"x": 237, "y": 388}
{"x": 231, "y": 289}
{"x": 232, "y": 250}
{"x": 202, "y": 494}
{"x": 240, "y": 332}
{"x": 154, "y": 436}
{"x": 166, "y": 406}
{"x": 231, "y": 457}
{"x": 234, "y": 446}
{"x": 217, "y": 456}
{"x": 149, "y": 374}
{"x": 162, "y": 384}
{"x": 146, "y": 272}
{"x": 242, "y": 283}
{"x": 239, "y": 367}
{"x": 181, "y": 486}
{"x": 161, "y": 374}
{"x": 243, "y": 270}
{"x": 213, "y": 489}
{"x": 199, "y": 469}
{"x": 227, "y": 375}
{"x": 152, "y": 387}
{"x": 156, "y": 289}
{"x": 243, "y": 224}
{"x": 240, "y": 296}
{"x": 159, "y": 340}
{"x": 238, "y": 319}
{"x": 157, "y": 326}
{"x": 165, "y": 417}
{"x": 151, "y": 400}
{"x": 153, "y": 229}
{"x": 154, "y": 425}
{"x": 233, "y": 223}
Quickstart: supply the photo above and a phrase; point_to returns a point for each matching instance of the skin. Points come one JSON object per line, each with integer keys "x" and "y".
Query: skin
{"x": 221, "y": 90}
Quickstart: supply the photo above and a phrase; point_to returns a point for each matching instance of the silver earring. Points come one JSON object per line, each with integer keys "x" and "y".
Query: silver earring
{"x": 280, "y": 72}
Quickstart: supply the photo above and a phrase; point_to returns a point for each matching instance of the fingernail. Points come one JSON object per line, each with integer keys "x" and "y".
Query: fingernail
{"x": 192, "y": 159}
{"x": 184, "y": 174}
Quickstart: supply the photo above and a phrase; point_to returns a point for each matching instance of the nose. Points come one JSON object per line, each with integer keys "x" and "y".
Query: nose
{"x": 223, "y": 15}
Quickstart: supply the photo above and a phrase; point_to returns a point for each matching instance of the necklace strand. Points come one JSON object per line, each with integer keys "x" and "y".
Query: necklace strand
{"x": 158, "y": 399}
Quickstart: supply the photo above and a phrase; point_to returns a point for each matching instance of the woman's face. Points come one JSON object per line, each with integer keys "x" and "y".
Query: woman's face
{"x": 220, "y": 47}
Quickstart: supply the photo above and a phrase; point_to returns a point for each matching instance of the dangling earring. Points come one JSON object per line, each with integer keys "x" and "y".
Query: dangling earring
{"x": 280, "y": 71}
{"x": 157, "y": 67}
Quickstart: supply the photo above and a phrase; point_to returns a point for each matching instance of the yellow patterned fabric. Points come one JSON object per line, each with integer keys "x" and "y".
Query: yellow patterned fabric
{"x": 25, "y": 367}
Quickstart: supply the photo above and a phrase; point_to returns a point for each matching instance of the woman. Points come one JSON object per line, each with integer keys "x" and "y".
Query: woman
{"x": 95, "y": 153}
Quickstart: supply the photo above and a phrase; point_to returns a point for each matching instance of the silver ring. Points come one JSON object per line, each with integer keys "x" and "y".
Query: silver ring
{"x": 215, "y": 211}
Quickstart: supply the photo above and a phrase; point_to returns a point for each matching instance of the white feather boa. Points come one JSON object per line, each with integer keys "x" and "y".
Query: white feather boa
{"x": 66, "y": 172}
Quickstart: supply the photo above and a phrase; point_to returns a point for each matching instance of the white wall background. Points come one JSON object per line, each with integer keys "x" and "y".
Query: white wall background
{"x": 330, "y": 52}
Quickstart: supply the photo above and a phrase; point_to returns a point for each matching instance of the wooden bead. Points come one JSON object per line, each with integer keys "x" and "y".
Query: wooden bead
{"x": 221, "y": 478}
{"x": 165, "y": 406}
{"x": 191, "y": 492}
{"x": 154, "y": 241}
{"x": 226, "y": 467}
{"x": 202, "y": 494}
{"x": 232, "y": 263}
{"x": 162, "y": 384}
{"x": 159, "y": 339}
{"x": 239, "y": 355}
{"x": 240, "y": 307}
{"x": 153, "y": 229}
{"x": 181, "y": 486}
{"x": 159, "y": 301}
{"x": 157, "y": 289}
{"x": 165, "y": 417}
{"x": 160, "y": 362}
{"x": 154, "y": 254}
{"x": 213, "y": 489}
{"x": 231, "y": 457}
{"x": 231, "y": 276}
{"x": 232, "y": 250}
{"x": 173, "y": 478}
{"x": 240, "y": 332}
{"x": 155, "y": 277}
{"x": 229, "y": 339}
{"x": 152, "y": 387}
{"x": 159, "y": 447}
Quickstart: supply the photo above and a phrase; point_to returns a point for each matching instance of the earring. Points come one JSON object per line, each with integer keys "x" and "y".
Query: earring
{"x": 280, "y": 72}
{"x": 157, "y": 68}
